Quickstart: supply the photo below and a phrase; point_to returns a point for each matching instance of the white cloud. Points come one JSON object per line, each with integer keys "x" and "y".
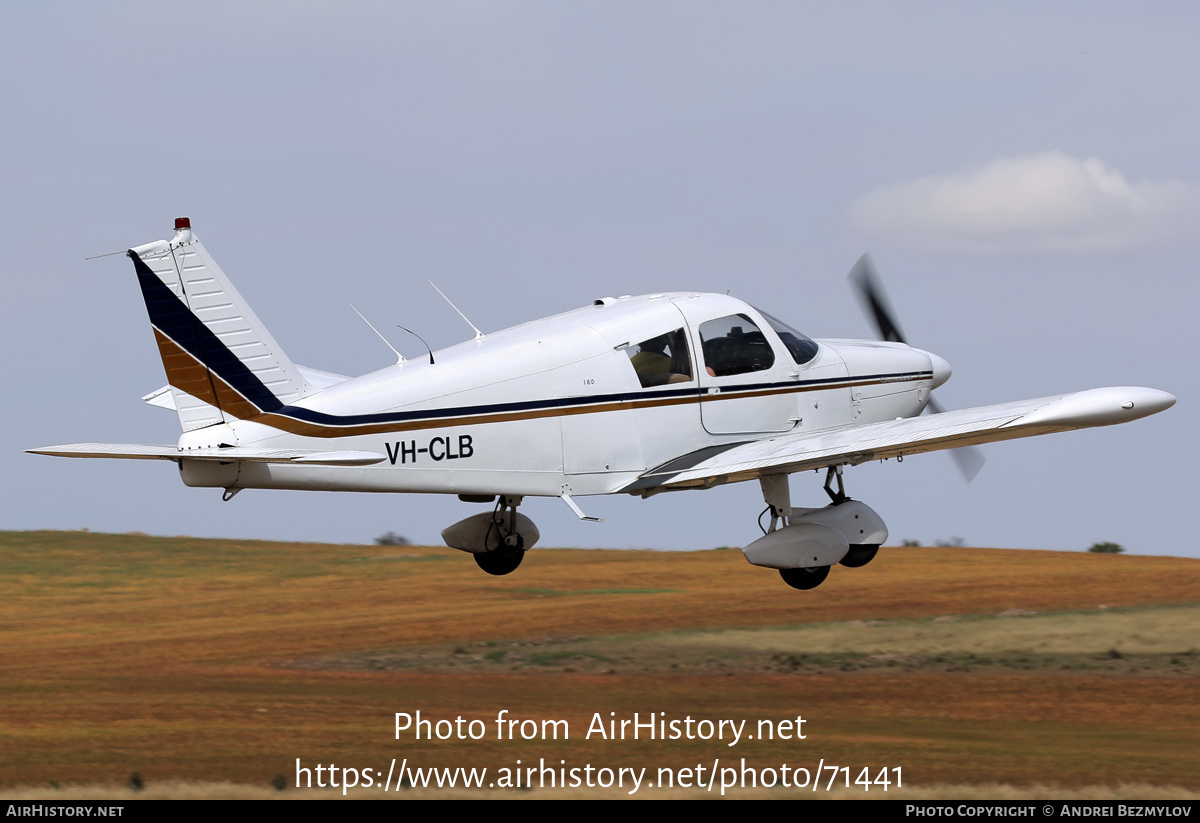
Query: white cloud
{"x": 1040, "y": 202}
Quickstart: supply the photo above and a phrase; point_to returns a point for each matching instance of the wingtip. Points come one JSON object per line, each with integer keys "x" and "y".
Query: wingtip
{"x": 1100, "y": 407}
{"x": 1157, "y": 400}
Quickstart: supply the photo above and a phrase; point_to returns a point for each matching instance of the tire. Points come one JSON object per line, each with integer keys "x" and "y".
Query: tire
{"x": 499, "y": 562}
{"x": 859, "y": 556}
{"x": 804, "y": 579}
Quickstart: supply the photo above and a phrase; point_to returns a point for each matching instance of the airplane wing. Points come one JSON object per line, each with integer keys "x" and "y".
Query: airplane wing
{"x": 904, "y": 436}
{"x": 229, "y": 454}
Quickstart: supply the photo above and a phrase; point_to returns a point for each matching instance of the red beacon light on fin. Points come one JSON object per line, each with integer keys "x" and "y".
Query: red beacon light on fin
{"x": 182, "y": 223}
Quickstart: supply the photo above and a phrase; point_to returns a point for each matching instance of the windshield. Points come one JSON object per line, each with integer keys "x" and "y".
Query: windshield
{"x": 801, "y": 347}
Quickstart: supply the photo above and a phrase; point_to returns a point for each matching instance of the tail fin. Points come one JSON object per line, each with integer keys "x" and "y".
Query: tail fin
{"x": 220, "y": 360}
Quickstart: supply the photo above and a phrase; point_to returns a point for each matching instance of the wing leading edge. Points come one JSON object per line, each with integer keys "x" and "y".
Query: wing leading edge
{"x": 897, "y": 438}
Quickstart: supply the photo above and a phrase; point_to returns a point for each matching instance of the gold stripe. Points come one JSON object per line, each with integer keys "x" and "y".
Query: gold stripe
{"x": 184, "y": 371}
{"x": 294, "y": 426}
{"x": 849, "y": 384}
{"x": 228, "y": 399}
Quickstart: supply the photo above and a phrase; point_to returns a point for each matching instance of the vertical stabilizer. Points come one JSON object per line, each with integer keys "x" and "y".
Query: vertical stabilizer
{"x": 220, "y": 360}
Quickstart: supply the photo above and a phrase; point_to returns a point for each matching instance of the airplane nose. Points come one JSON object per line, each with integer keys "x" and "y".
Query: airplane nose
{"x": 941, "y": 369}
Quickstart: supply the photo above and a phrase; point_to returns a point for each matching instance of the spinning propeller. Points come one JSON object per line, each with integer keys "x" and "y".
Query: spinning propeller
{"x": 865, "y": 280}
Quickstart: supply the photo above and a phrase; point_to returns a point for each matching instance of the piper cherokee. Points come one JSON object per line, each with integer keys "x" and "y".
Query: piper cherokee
{"x": 629, "y": 395}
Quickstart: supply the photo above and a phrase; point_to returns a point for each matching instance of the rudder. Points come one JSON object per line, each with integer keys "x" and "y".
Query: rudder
{"x": 221, "y": 362}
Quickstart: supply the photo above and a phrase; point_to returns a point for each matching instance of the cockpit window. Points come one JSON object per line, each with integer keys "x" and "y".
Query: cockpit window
{"x": 799, "y": 346}
{"x": 734, "y": 345}
{"x": 662, "y": 359}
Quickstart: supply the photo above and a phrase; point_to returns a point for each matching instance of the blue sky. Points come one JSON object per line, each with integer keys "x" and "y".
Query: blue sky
{"x": 1024, "y": 176}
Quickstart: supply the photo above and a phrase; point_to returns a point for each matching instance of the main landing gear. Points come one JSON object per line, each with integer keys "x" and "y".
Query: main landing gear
{"x": 803, "y": 544}
{"x": 505, "y": 547}
{"x": 498, "y": 540}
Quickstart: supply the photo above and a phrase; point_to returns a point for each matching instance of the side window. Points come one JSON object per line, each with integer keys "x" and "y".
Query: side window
{"x": 734, "y": 345}
{"x": 662, "y": 359}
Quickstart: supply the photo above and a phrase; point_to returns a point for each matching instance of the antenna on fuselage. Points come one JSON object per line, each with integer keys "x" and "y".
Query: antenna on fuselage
{"x": 399, "y": 356}
{"x": 419, "y": 337}
{"x": 478, "y": 333}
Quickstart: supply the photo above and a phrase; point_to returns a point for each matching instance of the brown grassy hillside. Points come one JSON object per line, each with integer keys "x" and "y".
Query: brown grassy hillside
{"x": 208, "y": 660}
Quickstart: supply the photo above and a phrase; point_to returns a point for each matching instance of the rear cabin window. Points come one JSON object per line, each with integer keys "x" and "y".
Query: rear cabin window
{"x": 734, "y": 345}
{"x": 661, "y": 360}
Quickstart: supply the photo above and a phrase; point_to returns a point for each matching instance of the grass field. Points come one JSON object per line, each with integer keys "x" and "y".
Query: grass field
{"x": 211, "y": 666}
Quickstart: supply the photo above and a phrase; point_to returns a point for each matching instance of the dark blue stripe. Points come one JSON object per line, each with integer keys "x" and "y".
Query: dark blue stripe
{"x": 323, "y": 418}
{"x": 825, "y": 381}
{"x": 310, "y": 416}
{"x": 172, "y": 317}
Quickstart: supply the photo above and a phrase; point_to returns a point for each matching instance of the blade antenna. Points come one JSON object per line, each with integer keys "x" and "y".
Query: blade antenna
{"x": 478, "y": 333}
{"x": 422, "y": 339}
{"x": 399, "y": 356}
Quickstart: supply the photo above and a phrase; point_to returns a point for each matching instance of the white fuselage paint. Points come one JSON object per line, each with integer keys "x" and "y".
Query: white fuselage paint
{"x": 555, "y": 406}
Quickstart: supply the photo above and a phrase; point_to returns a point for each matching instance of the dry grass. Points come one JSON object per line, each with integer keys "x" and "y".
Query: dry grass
{"x": 218, "y": 663}
{"x": 1150, "y": 640}
{"x": 188, "y": 790}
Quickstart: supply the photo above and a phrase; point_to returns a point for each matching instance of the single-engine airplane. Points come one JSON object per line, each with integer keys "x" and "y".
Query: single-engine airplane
{"x": 629, "y": 395}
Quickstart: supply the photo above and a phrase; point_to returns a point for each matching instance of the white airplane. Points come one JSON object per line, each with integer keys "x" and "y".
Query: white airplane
{"x": 629, "y": 395}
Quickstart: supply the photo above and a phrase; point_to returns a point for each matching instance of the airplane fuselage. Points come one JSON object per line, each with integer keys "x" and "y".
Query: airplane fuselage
{"x": 558, "y": 405}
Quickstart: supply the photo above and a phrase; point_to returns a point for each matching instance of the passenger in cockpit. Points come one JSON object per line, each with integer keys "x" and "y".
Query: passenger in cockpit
{"x": 663, "y": 359}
